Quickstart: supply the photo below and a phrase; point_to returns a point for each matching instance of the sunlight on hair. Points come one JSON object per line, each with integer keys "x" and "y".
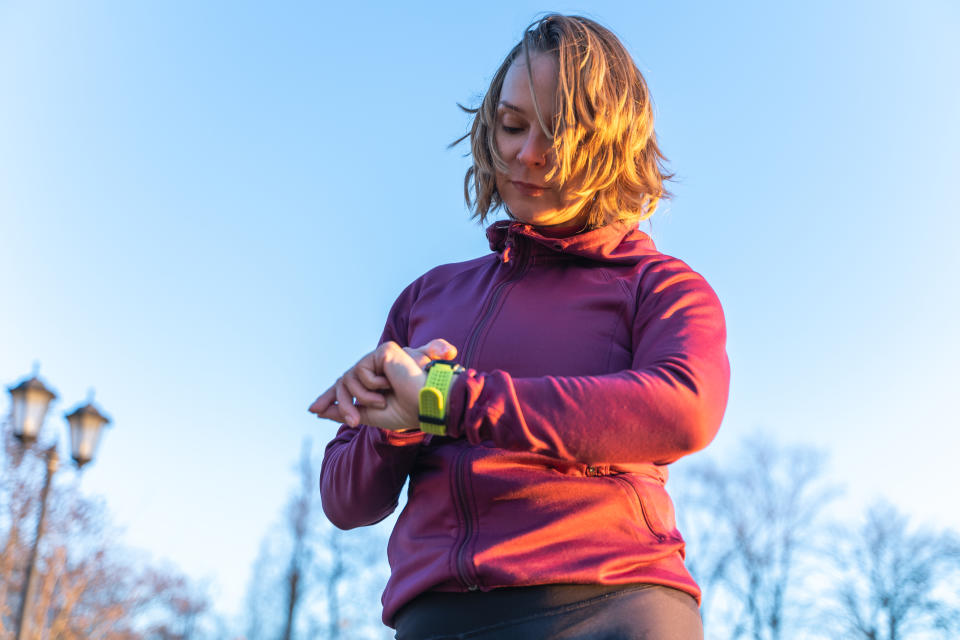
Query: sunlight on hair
{"x": 608, "y": 161}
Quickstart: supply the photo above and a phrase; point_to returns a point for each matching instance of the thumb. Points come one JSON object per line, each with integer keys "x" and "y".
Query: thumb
{"x": 436, "y": 349}
{"x": 440, "y": 349}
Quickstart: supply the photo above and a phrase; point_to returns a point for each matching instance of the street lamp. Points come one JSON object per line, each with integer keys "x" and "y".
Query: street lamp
{"x": 30, "y": 401}
{"x": 86, "y": 422}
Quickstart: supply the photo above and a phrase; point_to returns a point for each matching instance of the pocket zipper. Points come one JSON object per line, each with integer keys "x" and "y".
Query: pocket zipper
{"x": 643, "y": 509}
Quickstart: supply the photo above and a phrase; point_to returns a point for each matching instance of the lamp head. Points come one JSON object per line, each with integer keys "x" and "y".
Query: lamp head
{"x": 86, "y": 424}
{"x": 31, "y": 399}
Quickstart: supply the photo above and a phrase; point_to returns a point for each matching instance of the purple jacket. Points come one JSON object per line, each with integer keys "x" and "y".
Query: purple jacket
{"x": 593, "y": 362}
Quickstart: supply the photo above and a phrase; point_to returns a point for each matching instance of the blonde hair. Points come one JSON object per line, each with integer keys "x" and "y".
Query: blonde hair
{"x": 608, "y": 160}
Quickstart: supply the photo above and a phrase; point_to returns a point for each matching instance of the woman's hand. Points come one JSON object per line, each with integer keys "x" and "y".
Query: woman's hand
{"x": 386, "y": 385}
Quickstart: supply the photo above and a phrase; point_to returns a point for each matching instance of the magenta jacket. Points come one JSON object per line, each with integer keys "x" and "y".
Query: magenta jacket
{"x": 593, "y": 362}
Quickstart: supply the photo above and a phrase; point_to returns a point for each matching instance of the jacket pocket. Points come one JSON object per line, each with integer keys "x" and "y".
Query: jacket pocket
{"x": 654, "y": 504}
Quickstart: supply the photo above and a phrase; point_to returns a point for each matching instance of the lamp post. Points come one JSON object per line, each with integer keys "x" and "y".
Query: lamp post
{"x": 30, "y": 585}
{"x": 30, "y": 401}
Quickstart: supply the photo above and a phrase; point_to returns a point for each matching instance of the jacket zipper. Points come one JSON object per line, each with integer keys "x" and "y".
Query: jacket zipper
{"x": 460, "y": 471}
{"x": 643, "y": 509}
{"x": 460, "y": 482}
{"x": 521, "y": 270}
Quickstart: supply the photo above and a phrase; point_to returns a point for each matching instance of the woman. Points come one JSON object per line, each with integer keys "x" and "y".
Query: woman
{"x": 536, "y": 505}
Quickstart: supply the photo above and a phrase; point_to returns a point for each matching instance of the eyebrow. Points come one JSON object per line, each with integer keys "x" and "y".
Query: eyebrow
{"x": 512, "y": 107}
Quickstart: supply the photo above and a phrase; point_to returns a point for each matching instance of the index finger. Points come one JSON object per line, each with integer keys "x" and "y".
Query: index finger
{"x": 323, "y": 401}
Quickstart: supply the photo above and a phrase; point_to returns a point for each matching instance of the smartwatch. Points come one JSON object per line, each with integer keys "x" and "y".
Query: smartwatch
{"x": 435, "y": 394}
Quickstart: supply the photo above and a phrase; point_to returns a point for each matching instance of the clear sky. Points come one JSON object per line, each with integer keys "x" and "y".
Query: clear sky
{"x": 206, "y": 210}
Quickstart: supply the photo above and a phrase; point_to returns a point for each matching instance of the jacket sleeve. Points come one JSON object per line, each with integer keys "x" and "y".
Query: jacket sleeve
{"x": 668, "y": 404}
{"x": 364, "y": 468}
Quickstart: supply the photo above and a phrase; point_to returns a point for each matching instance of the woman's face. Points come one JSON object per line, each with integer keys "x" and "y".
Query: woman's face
{"x": 527, "y": 150}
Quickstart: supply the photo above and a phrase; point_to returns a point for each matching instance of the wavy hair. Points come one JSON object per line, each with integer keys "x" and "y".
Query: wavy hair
{"x": 608, "y": 161}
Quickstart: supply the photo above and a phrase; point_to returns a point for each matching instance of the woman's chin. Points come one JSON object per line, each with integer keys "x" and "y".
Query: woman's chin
{"x": 550, "y": 222}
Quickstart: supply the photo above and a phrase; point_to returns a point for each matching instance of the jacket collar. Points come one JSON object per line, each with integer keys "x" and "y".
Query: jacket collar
{"x": 617, "y": 242}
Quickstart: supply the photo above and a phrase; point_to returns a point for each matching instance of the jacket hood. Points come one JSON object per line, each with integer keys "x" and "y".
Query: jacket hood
{"x": 617, "y": 242}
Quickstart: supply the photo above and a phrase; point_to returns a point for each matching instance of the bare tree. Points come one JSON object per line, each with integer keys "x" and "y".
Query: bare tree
{"x": 750, "y": 525}
{"x": 352, "y": 566}
{"x": 328, "y": 580}
{"x": 897, "y": 583}
{"x": 258, "y": 603}
{"x": 88, "y": 586}
{"x": 301, "y": 513}
{"x": 334, "y": 575}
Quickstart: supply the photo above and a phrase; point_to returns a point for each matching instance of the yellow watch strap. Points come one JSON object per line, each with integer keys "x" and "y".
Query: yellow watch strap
{"x": 434, "y": 396}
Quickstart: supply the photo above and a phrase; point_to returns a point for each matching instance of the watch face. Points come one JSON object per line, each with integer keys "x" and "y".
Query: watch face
{"x": 450, "y": 363}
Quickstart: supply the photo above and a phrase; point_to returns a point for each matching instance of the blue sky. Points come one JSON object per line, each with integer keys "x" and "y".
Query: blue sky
{"x": 206, "y": 210}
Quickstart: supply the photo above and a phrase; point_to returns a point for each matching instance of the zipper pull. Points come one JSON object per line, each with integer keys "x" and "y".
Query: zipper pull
{"x": 507, "y": 251}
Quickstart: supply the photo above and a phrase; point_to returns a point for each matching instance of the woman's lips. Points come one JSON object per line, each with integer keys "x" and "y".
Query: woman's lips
{"x": 527, "y": 188}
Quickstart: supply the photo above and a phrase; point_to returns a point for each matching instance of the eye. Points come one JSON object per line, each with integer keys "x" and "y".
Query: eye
{"x": 510, "y": 123}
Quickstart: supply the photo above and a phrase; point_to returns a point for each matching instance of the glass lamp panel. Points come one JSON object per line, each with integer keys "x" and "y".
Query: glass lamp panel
{"x": 37, "y": 402}
{"x": 86, "y": 425}
{"x": 30, "y": 403}
{"x": 18, "y": 413}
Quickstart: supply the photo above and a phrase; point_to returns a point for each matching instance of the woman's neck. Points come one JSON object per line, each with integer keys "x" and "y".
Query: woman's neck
{"x": 561, "y": 230}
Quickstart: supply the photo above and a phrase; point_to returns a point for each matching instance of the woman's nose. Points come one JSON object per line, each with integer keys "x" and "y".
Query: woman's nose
{"x": 535, "y": 149}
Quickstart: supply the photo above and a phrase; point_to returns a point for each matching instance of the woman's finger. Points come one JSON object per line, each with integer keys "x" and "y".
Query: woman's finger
{"x": 363, "y": 395}
{"x": 324, "y": 400}
{"x": 436, "y": 349}
{"x": 331, "y": 413}
{"x": 345, "y": 403}
{"x": 369, "y": 373}
{"x": 440, "y": 349}
{"x": 372, "y": 380}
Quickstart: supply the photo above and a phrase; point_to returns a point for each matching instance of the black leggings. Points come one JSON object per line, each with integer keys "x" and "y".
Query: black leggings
{"x": 556, "y": 612}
